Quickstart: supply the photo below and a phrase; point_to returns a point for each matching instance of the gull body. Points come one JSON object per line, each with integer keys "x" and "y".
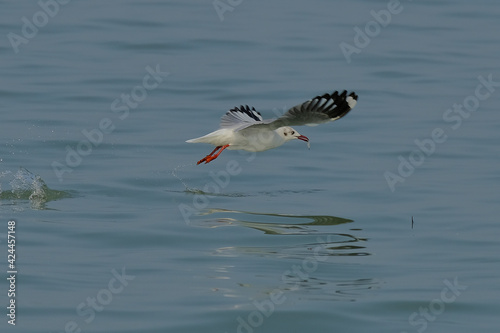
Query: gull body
{"x": 253, "y": 141}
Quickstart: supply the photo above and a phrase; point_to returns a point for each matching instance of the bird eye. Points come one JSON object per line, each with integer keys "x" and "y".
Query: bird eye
{"x": 293, "y": 132}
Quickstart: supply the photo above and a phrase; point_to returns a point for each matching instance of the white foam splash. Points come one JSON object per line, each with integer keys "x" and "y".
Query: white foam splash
{"x": 28, "y": 184}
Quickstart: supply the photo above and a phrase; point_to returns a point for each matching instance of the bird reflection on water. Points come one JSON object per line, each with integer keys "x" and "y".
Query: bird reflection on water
{"x": 306, "y": 252}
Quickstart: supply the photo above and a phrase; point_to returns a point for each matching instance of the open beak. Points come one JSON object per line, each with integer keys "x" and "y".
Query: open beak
{"x": 303, "y": 138}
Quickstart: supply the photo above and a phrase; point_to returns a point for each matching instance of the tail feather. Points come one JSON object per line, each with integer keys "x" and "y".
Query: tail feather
{"x": 197, "y": 140}
{"x": 220, "y": 137}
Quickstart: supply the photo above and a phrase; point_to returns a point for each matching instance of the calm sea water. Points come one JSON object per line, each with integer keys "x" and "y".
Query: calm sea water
{"x": 117, "y": 229}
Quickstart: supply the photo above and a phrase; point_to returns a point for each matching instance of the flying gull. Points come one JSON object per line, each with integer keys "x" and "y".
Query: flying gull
{"x": 243, "y": 127}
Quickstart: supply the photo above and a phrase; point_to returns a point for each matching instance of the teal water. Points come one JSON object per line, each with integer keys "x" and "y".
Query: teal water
{"x": 118, "y": 230}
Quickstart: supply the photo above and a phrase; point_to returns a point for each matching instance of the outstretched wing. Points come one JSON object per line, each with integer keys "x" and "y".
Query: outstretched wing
{"x": 240, "y": 117}
{"x": 320, "y": 109}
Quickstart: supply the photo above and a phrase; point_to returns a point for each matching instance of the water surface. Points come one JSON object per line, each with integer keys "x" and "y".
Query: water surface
{"x": 95, "y": 171}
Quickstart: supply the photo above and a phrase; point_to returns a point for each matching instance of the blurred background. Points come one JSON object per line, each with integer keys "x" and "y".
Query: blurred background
{"x": 118, "y": 229}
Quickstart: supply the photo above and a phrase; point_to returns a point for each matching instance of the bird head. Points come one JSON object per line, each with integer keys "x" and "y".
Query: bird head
{"x": 289, "y": 133}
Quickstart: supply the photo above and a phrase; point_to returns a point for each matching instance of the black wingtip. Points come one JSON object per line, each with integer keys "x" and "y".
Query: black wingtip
{"x": 247, "y": 110}
{"x": 335, "y": 105}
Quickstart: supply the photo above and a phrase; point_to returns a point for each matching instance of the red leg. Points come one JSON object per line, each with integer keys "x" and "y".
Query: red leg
{"x": 212, "y": 157}
{"x": 209, "y": 155}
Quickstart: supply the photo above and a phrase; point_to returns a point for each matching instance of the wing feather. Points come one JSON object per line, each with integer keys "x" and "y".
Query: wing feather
{"x": 318, "y": 110}
{"x": 240, "y": 117}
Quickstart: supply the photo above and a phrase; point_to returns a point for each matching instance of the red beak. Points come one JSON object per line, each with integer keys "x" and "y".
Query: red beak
{"x": 303, "y": 138}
